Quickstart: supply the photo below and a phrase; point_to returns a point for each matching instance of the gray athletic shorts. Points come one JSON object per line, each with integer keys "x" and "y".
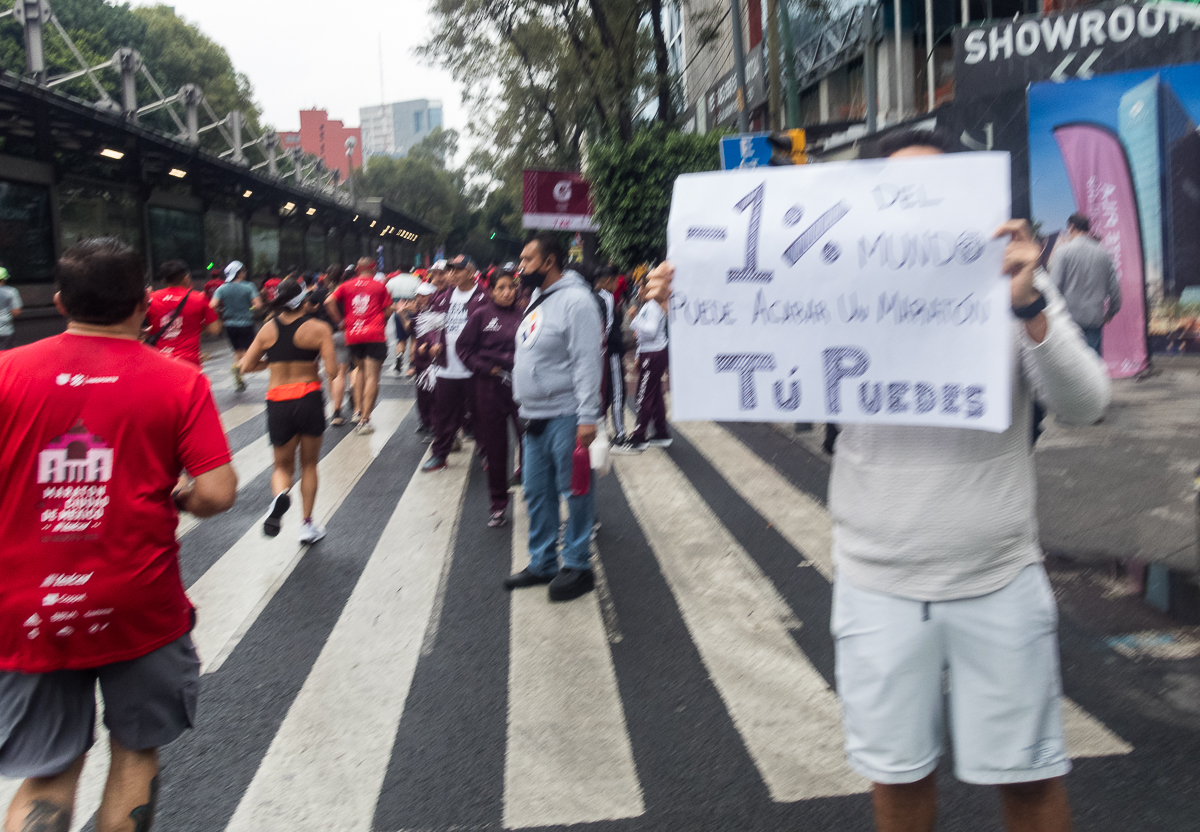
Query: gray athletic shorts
{"x": 47, "y": 720}
{"x": 340, "y": 348}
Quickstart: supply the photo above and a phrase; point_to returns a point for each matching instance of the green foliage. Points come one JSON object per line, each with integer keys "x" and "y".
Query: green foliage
{"x": 175, "y": 52}
{"x": 631, "y": 185}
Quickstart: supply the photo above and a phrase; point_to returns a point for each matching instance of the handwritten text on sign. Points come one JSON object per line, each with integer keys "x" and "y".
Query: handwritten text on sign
{"x": 867, "y": 291}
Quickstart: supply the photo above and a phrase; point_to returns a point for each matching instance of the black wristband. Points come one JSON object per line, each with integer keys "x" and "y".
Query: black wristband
{"x": 1028, "y": 313}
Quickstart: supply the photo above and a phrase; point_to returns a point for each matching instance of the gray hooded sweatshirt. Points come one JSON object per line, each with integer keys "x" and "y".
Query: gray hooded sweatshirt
{"x": 557, "y": 367}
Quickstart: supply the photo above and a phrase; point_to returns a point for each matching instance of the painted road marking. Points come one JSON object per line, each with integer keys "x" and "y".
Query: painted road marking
{"x": 569, "y": 757}
{"x": 787, "y": 716}
{"x": 235, "y": 589}
{"x": 326, "y": 765}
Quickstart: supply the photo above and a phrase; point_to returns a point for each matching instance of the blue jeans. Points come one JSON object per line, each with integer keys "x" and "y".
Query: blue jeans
{"x": 546, "y": 474}
{"x": 1094, "y": 336}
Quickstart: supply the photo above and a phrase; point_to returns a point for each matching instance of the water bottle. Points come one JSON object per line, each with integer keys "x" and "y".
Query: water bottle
{"x": 581, "y": 471}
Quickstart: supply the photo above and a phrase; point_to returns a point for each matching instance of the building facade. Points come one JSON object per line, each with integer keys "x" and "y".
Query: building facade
{"x": 392, "y": 129}
{"x": 325, "y": 138}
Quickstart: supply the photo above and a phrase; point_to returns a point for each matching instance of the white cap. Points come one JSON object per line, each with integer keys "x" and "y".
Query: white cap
{"x": 231, "y": 271}
{"x": 440, "y": 264}
{"x": 426, "y": 289}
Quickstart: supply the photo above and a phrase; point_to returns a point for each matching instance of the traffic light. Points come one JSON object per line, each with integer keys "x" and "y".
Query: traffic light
{"x": 787, "y": 148}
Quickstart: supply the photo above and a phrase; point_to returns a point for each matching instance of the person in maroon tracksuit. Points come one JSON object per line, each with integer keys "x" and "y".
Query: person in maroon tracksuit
{"x": 486, "y": 346}
{"x": 452, "y": 397}
{"x": 425, "y": 336}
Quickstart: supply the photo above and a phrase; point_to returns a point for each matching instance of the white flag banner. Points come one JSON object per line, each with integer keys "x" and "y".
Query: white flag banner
{"x": 865, "y": 291}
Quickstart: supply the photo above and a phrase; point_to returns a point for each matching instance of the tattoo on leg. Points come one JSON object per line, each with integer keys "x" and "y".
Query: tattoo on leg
{"x": 143, "y": 816}
{"x": 47, "y": 816}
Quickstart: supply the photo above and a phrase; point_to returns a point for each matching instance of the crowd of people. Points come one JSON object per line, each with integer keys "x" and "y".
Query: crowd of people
{"x": 104, "y": 440}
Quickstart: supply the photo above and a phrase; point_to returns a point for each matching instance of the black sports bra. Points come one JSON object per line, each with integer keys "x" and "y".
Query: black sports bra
{"x": 284, "y": 348}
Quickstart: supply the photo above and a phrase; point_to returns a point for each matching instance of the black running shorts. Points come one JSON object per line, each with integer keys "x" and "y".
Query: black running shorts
{"x": 371, "y": 349}
{"x": 304, "y": 416}
{"x": 240, "y": 337}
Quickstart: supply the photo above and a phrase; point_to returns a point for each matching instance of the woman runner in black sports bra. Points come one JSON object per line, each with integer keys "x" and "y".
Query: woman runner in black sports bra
{"x": 290, "y": 343}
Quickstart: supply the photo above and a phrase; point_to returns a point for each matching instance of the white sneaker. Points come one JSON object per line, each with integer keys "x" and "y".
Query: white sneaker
{"x": 665, "y": 442}
{"x": 310, "y": 532}
{"x": 356, "y": 417}
{"x": 364, "y": 429}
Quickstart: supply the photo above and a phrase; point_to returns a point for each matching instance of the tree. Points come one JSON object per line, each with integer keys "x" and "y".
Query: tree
{"x": 631, "y": 186}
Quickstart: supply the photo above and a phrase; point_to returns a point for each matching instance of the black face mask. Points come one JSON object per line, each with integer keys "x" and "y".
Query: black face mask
{"x": 534, "y": 280}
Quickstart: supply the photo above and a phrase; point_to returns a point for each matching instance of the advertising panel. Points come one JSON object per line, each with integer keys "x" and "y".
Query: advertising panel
{"x": 558, "y": 201}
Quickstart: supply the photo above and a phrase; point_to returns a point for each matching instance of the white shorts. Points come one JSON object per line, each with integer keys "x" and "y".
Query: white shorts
{"x": 999, "y": 655}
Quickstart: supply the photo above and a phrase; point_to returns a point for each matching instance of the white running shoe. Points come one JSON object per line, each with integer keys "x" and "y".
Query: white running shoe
{"x": 310, "y": 532}
{"x": 656, "y": 442}
{"x": 364, "y": 429}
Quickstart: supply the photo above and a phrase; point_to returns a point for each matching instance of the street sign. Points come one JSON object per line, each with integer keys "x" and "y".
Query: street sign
{"x": 749, "y": 150}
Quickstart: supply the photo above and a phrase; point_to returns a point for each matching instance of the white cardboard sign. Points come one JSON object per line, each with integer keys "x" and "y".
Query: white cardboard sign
{"x": 865, "y": 291}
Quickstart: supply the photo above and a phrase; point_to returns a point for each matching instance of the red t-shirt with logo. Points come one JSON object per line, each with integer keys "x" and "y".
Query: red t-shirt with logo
{"x": 182, "y": 336}
{"x": 363, "y": 301}
{"x": 94, "y": 433}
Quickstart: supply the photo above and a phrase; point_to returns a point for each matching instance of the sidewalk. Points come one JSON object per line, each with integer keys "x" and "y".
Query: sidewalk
{"x": 1122, "y": 489}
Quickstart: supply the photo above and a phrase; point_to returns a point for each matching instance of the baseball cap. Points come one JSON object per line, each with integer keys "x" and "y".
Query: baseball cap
{"x": 426, "y": 289}
{"x": 3, "y": 273}
{"x": 438, "y": 265}
{"x": 462, "y": 261}
{"x": 231, "y": 271}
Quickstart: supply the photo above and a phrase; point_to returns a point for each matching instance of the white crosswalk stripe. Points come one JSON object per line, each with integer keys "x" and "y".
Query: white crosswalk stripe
{"x": 327, "y": 762}
{"x": 569, "y": 755}
{"x": 569, "y": 758}
{"x": 248, "y": 463}
{"x": 806, "y": 525}
{"x": 787, "y": 716}
{"x": 232, "y": 593}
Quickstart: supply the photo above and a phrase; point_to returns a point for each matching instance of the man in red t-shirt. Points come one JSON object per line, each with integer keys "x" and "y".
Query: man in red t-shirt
{"x": 361, "y": 306}
{"x": 95, "y": 430}
{"x": 175, "y": 324}
{"x": 216, "y": 279}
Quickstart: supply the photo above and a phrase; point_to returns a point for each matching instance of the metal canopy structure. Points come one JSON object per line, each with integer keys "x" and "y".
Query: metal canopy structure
{"x": 80, "y": 140}
{"x": 197, "y": 163}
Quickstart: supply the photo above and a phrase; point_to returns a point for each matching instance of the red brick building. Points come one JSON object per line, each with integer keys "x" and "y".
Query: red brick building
{"x": 325, "y": 139}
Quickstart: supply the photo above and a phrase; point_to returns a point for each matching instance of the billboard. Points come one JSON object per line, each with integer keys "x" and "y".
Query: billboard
{"x": 1150, "y": 116}
{"x": 558, "y": 201}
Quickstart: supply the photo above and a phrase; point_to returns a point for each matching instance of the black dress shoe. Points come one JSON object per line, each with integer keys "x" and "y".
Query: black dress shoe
{"x": 525, "y": 578}
{"x": 571, "y": 583}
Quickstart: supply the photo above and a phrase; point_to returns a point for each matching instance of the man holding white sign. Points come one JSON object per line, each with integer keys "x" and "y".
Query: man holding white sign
{"x": 897, "y": 327}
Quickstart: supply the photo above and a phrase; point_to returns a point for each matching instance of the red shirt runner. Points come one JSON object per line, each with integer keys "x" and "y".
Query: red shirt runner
{"x": 271, "y": 288}
{"x": 212, "y": 286}
{"x": 94, "y": 432}
{"x": 363, "y": 301}
{"x": 182, "y": 337}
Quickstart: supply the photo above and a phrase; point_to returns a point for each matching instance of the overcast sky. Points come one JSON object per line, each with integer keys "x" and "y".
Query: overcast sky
{"x": 325, "y": 54}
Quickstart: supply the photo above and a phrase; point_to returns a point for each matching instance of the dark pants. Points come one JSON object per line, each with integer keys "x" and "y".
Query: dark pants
{"x": 494, "y": 410}
{"x": 650, "y": 405}
{"x": 450, "y": 402}
{"x": 614, "y": 391}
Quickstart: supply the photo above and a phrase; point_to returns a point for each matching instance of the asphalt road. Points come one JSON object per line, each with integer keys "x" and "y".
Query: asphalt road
{"x": 383, "y": 680}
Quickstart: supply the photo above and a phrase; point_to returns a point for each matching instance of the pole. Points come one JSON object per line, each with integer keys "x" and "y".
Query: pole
{"x": 739, "y": 65}
{"x": 774, "y": 76}
{"x": 791, "y": 85}
{"x": 870, "y": 67}
{"x": 966, "y": 12}
{"x": 930, "y": 86}
{"x": 899, "y": 109}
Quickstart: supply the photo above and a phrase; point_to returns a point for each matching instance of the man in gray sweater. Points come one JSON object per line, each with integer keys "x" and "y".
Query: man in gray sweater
{"x": 1085, "y": 275}
{"x": 556, "y": 382}
{"x": 939, "y": 574}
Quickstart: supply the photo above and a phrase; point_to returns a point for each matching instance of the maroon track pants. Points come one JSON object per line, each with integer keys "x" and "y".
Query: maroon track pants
{"x": 451, "y": 397}
{"x": 494, "y": 409}
{"x": 650, "y": 404}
